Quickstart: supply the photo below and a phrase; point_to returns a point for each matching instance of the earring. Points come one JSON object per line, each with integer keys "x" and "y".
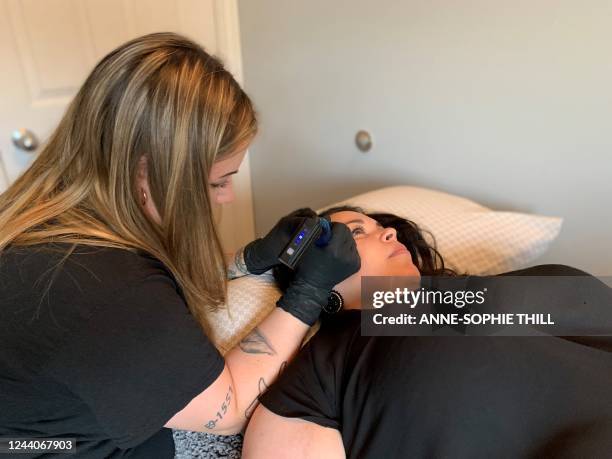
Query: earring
{"x": 334, "y": 303}
{"x": 143, "y": 200}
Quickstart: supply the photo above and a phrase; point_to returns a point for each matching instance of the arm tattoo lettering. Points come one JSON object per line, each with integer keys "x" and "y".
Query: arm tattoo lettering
{"x": 256, "y": 343}
{"x": 222, "y": 411}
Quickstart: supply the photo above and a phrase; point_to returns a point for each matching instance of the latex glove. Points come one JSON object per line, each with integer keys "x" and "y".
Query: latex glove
{"x": 262, "y": 254}
{"x": 319, "y": 270}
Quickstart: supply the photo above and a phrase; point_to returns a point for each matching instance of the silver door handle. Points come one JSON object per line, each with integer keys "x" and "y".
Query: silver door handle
{"x": 25, "y": 140}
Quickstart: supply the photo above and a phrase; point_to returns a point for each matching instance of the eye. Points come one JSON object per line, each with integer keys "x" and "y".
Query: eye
{"x": 220, "y": 185}
{"x": 357, "y": 230}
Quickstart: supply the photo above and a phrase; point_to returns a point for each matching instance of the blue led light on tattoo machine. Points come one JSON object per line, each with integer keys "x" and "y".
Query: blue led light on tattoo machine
{"x": 312, "y": 231}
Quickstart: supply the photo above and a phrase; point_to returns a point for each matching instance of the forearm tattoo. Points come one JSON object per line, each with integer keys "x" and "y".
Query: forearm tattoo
{"x": 256, "y": 343}
{"x": 262, "y": 388}
{"x": 222, "y": 411}
{"x": 237, "y": 268}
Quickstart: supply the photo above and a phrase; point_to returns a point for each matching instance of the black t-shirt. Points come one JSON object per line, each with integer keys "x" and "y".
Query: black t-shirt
{"x": 450, "y": 396}
{"x": 106, "y": 355}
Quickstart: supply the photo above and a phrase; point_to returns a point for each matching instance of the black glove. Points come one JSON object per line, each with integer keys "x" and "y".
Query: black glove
{"x": 262, "y": 254}
{"x": 319, "y": 270}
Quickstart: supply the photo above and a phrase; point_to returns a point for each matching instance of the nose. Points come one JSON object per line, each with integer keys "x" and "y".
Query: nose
{"x": 389, "y": 234}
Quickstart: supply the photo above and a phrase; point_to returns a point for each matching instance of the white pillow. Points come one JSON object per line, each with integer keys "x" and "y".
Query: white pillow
{"x": 470, "y": 237}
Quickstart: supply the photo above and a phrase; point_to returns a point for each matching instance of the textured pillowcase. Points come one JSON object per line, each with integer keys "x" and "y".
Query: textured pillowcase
{"x": 472, "y": 239}
{"x": 250, "y": 299}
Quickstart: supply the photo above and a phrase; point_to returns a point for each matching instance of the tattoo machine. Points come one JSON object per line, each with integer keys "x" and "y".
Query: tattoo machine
{"x": 318, "y": 232}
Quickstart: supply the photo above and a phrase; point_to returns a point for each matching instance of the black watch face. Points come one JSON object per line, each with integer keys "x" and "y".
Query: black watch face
{"x": 334, "y": 303}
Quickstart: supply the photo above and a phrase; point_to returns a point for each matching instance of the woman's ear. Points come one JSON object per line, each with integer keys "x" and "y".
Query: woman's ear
{"x": 142, "y": 177}
{"x": 143, "y": 192}
{"x": 141, "y": 170}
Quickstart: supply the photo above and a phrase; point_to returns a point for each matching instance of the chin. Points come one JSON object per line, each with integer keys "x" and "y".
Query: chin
{"x": 404, "y": 269}
{"x": 413, "y": 271}
{"x": 406, "y": 273}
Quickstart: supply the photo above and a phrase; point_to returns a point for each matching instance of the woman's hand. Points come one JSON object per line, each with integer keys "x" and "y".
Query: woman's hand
{"x": 262, "y": 254}
{"x": 319, "y": 270}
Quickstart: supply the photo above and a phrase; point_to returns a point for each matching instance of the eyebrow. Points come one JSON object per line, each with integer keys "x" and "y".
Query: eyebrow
{"x": 358, "y": 220}
{"x": 228, "y": 174}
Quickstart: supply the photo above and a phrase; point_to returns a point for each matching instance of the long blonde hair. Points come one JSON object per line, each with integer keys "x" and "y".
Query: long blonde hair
{"x": 161, "y": 96}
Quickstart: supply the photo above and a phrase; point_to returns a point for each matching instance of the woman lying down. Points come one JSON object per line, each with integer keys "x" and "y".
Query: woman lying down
{"x": 435, "y": 397}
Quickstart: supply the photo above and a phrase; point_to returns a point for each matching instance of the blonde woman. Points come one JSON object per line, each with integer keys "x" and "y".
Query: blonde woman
{"x": 110, "y": 262}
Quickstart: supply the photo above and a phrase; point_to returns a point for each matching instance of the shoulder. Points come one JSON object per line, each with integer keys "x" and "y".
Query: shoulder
{"x": 133, "y": 278}
{"x": 123, "y": 266}
{"x": 76, "y": 285}
{"x": 338, "y": 336}
{"x": 547, "y": 270}
{"x": 94, "y": 267}
{"x": 340, "y": 327}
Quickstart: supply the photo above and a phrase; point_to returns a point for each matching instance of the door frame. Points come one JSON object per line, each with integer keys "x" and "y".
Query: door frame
{"x": 236, "y": 233}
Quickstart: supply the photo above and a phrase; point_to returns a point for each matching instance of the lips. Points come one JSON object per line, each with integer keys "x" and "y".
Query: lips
{"x": 399, "y": 251}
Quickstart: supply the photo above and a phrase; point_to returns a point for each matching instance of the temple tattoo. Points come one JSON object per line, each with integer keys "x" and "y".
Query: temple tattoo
{"x": 256, "y": 343}
{"x": 222, "y": 411}
{"x": 237, "y": 268}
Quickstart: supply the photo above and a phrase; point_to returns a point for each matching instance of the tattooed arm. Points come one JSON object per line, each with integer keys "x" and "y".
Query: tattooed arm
{"x": 235, "y": 264}
{"x": 225, "y": 406}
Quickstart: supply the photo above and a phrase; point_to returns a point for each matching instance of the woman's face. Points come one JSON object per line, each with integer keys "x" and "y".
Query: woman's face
{"x": 380, "y": 252}
{"x": 221, "y": 187}
{"x": 220, "y": 178}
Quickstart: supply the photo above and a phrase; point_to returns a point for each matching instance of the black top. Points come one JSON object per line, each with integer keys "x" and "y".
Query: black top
{"x": 459, "y": 397}
{"x": 106, "y": 355}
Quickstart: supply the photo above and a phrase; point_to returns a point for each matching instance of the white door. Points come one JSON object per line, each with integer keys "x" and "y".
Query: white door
{"x": 47, "y": 48}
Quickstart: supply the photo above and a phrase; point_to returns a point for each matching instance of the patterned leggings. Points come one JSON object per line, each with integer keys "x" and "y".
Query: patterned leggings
{"x": 203, "y": 445}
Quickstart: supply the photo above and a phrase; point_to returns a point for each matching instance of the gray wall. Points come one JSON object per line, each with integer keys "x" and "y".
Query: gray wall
{"x": 506, "y": 103}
